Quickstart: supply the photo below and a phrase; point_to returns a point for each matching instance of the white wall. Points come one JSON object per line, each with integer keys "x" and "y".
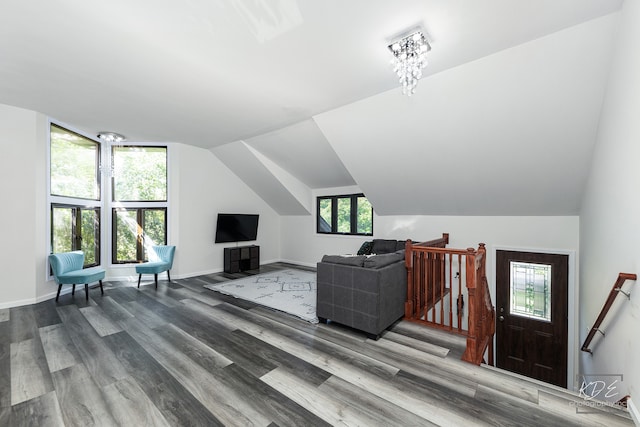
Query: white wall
{"x": 204, "y": 188}
{"x": 19, "y": 216}
{"x": 200, "y": 187}
{"x": 301, "y": 243}
{"x": 610, "y": 216}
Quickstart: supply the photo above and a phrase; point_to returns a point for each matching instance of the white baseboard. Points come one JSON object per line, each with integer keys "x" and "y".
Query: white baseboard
{"x": 18, "y": 303}
{"x": 633, "y": 410}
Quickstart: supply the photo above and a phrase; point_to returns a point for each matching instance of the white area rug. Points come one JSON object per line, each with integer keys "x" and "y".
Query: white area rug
{"x": 292, "y": 291}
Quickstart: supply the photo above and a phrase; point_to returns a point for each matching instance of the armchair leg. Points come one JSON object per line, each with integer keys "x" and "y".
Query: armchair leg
{"x": 58, "y": 294}
{"x": 168, "y": 275}
{"x": 86, "y": 291}
{"x": 101, "y": 290}
{"x": 73, "y": 290}
{"x": 139, "y": 277}
{"x": 155, "y": 278}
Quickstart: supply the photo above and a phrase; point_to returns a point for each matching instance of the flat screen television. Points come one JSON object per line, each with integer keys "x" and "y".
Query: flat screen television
{"x": 236, "y": 227}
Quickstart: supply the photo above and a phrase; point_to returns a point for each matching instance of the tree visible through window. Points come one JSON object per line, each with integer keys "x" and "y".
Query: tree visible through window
{"x": 75, "y": 194}
{"x": 140, "y": 173}
{"x": 348, "y": 214}
{"x": 139, "y": 184}
{"x": 135, "y": 230}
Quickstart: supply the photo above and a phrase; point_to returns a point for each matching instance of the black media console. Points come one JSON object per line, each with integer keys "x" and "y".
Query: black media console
{"x": 241, "y": 258}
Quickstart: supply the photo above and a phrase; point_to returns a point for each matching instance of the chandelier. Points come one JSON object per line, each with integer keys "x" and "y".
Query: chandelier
{"x": 111, "y": 137}
{"x": 409, "y": 58}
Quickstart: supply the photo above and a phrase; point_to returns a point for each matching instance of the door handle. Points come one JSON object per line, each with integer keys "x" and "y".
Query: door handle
{"x": 501, "y": 318}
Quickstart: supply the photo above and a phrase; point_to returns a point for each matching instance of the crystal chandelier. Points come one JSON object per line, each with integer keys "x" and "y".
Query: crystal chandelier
{"x": 409, "y": 58}
{"x": 111, "y": 137}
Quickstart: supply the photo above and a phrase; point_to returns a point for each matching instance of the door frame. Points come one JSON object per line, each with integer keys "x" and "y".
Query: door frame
{"x": 572, "y": 303}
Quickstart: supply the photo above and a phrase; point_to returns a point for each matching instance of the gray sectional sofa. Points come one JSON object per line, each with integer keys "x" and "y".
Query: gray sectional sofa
{"x": 367, "y": 291}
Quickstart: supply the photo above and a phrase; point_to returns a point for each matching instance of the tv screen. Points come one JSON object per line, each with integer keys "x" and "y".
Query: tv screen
{"x": 236, "y": 228}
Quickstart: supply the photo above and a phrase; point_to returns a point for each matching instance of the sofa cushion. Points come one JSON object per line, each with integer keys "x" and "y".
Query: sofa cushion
{"x": 365, "y": 249}
{"x": 355, "y": 261}
{"x": 383, "y": 246}
{"x": 379, "y": 261}
{"x": 400, "y": 244}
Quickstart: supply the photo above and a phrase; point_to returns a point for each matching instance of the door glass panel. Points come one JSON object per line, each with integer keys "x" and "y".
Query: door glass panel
{"x": 530, "y": 290}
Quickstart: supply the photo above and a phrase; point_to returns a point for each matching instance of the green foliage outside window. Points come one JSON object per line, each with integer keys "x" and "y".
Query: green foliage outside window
{"x": 140, "y": 173}
{"x": 62, "y": 235}
{"x": 350, "y": 214}
{"x": 90, "y": 226}
{"x": 126, "y": 231}
{"x": 76, "y": 228}
{"x": 137, "y": 229}
{"x": 324, "y": 215}
{"x": 365, "y": 216}
{"x": 74, "y": 165}
{"x": 344, "y": 215}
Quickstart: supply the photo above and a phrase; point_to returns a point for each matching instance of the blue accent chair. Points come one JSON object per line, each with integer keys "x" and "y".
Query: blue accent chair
{"x": 160, "y": 259}
{"x": 67, "y": 270}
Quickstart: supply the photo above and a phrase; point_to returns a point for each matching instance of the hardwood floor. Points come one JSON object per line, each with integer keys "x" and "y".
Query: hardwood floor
{"x": 184, "y": 355}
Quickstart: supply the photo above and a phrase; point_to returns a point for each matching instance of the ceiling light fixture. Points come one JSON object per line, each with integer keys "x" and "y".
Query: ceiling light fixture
{"x": 409, "y": 58}
{"x": 111, "y": 137}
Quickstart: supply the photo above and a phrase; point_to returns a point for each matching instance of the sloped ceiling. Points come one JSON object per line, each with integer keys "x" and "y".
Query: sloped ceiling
{"x": 303, "y": 151}
{"x": 508, "y": 134}
{"x": 304, "y": 88}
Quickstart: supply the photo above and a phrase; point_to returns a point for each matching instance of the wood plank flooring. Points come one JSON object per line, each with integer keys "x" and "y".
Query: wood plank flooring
{"x": 184, "y": 355}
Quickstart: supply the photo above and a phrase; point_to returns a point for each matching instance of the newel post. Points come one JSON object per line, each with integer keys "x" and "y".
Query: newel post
{"x": 472, "y": 337}
{"x": 408, "y": 262}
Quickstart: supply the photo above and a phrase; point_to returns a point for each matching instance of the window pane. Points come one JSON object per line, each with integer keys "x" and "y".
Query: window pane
{"x": 62, "y": 230}
{"x": 531, "y": 290}
{"x": 74, "y": 165}
{"x": 154, "y": 228}
{"x": 90, "y": 229}
{"x": 344, "y": 215}
{"x": 365, "y": 216}
{"x": 140, "y": 173}
{"x": 126, "y": 237}
{"x": 324, "y": 217}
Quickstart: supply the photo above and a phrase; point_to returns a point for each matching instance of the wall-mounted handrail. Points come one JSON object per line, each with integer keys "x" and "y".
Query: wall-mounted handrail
{"x": 615, "y": 290}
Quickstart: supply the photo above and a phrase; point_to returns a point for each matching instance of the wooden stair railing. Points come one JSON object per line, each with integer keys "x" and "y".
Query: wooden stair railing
{"x": 615, "y": 290}
{"x": 435, "y": 294}
{"x": 482, "y": 313}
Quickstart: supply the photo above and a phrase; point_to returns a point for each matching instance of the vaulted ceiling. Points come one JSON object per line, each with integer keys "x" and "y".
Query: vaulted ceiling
{"x": 295, "y": 95}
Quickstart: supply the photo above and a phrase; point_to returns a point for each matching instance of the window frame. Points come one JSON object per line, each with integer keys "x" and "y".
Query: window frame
{"x": 76, "y": 204}
{"x": 98, "y": 163}
{"x": 76, "y": 239}
{"x": 141, "y": 254}
{"x": 105, "y": 203}
{"x": 113, "y": 148}
{"x": 353, "y": 214}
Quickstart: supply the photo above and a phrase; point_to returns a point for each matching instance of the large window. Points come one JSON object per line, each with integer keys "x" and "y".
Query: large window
{"x": 140, "y": 173}
{"x": 139, "y": 196}
{"x": 136, "y": 197}
{"x": 135, "y": 230}
{"x": 347, "y": 214}
{"x": 75, "y": 165}
{"x": 75, "y": 194}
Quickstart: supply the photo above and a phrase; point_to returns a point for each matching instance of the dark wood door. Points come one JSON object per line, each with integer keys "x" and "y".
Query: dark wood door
{"x": 531, "y": 301}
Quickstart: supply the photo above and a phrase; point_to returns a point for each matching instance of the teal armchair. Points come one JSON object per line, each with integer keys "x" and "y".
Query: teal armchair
{"x": 160, "y": 259}
{"x": 67, "y": 270}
